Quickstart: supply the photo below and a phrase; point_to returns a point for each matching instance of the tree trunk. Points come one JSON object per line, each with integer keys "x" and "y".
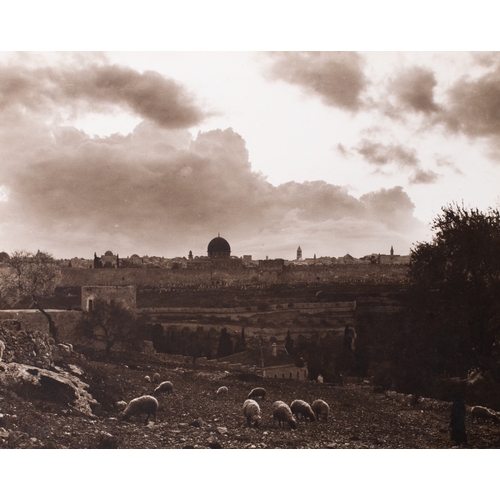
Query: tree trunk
{"x": 52, "y": 326}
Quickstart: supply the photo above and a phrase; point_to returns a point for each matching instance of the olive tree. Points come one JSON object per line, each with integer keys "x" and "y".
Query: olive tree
{"x": 109, "y": 322}
{"x": 30, "y": 276}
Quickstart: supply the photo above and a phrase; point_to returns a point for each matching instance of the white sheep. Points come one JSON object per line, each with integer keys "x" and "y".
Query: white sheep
{"x": 142, "y": 404}
{"x": 156, "y": 377}
{"x": 251, "y": 410}
{"x": 282, "y": 413}
{"x": 320, "y": 408}
{"x": 300, "y": 407}
{"x": 2, "y": 349}
{"x": 258, "y": 392}
{"x": 222, "y": 391}
{"x": 483, "y": 413}
{"x": 147, "y": 379}
{"x": 166, "y": 386}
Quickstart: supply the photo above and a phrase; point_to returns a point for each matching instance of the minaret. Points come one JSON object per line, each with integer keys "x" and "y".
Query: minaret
{"x": 299, "y": 253}
{"x": 392, "y": 251}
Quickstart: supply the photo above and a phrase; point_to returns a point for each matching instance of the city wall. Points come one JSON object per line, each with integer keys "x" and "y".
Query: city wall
{"x": 164, "y": 278}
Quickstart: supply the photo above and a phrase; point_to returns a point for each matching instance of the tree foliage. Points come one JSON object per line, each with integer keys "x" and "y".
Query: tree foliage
{"x": 30, "y": 276}
{"x": 225, "y": 347}
{"x": 109, "y": 322}
{"x": 454, "y": 295}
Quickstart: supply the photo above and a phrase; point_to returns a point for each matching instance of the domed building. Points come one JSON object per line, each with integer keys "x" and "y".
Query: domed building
{"x": 219, "y": 256}
{"x": 219, "y": 248}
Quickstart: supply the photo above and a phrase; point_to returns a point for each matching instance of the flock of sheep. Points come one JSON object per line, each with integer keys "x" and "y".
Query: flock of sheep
{"x": 283, "y": 413}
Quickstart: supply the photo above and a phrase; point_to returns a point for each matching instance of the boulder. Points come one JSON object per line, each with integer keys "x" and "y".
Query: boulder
{"x": 57, "y": 387}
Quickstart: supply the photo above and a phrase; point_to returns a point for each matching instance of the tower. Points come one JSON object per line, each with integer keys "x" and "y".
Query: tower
{"x": 299, "y": 253}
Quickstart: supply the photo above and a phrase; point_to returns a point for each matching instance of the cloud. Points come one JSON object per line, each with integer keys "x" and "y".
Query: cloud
{"x": 336, "y": 77}
{"x": 98, "y": 87}
{"x": 159, "y": 190}
{"x": 380, "y": 154}
{"x": 414, "y": 89}
{"x": 474, "y": 106}
{"x": 406, "y": 159}
{"x": 163, "y": 192}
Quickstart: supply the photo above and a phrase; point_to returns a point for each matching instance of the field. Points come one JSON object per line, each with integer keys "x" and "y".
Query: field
{"x": 191, "y": 417}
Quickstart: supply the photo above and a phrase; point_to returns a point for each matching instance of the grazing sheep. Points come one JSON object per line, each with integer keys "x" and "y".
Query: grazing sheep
{"x": 483, "y": 413}
{"x": 142, "y": 404}
{"x": 156, "y": 377}
{"x": 2, "y": 349}
{"x": 121, "y": 405}
{"x": 320, "y": 407}
{"x": 303, "y": 409}
{"x": 147, "y": 379}
{"x": 166, "y": 386}
{"x": 282, "y": 413}
{"x": 222, "y": 391}
{"x": 251, "y": 410}
{"x": 258, "y": 392}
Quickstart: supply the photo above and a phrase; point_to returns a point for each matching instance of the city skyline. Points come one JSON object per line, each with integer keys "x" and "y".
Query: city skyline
{"x": 153, "y": 153}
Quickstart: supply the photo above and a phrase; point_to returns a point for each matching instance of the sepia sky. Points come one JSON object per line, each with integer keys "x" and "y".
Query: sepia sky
{"x": 155, "y": 153}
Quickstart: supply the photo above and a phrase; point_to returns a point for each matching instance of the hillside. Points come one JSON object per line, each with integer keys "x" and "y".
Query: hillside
{"x": 191, "y": 417}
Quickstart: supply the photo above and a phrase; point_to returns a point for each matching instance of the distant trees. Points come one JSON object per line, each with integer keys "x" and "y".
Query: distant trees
{"x": 453, "y": 308}
{"x": 31, "y": 276}
{"x": 109, "y": 322}
{"x": 241, "y": 344}
{"x": 225, "y": 347}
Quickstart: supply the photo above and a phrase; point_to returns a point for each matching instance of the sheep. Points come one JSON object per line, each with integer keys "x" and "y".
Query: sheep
{"x": 121, "y": 405}
{"x": 2, "y": 349}
{"x": 166, "y": 386}
{"x": 251, "y": 410}
{"x": 258, "y": 392}
{"x": 222, "y": 391}
{"x": 320, "y": 407}
{"x": 156, "y": 377}
{"x": 147, "y": 379}
{"x": 282, "y": 413}
{"x": 483, "y": 413}
{"x": 142, "y": 404}
{"x": 303, "y": 409}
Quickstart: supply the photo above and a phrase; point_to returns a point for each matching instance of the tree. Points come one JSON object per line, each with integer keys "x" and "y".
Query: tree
{"x": 454, "y": 295}
{"x": 289, "y": 343}
{"x": 109, "y": 322}
{"x": 31, "y": 276}
{"x": 241, "y": 344}
{"x": 225, "y": 347}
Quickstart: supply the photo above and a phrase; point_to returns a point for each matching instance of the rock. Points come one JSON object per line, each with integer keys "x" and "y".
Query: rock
{"x": 222, "y": 430}
{"x": 76, "y": 370}
{"x": 60, "y": 388}
{"x": 3, "y": 433}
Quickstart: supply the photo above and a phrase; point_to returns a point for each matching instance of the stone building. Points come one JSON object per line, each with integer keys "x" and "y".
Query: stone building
{"x": 126, "y": 294}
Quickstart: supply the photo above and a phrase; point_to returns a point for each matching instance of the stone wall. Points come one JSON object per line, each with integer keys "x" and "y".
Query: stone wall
{"x": 27, "y": 347}
{"x": 336, "y": 273}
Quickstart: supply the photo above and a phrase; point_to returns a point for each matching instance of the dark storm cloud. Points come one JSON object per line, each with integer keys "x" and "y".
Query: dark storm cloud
{"x": 336, "y": 77}
{"x": 99, "y": 87}
{"x": 414, "y": 89}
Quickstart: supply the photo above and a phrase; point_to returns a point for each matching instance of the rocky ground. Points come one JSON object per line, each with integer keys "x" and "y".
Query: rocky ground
{"x": 191, "y": 417}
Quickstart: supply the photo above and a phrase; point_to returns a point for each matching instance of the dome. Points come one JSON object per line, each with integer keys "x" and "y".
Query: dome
{"x": 109, "y": 253}
{"x": 4, "y": 256}
{"x": 219, "y": 247}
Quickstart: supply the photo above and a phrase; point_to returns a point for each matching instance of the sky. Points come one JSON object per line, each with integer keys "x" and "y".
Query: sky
{"x": 157, "y": 152}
